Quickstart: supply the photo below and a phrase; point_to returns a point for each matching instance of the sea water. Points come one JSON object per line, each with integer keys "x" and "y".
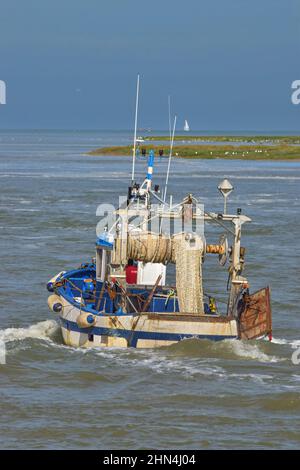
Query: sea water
{"x": 195, "y": 394}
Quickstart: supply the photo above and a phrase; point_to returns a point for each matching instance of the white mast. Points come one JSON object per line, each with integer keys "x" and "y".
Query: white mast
{"x": 135, "y": 126}
{"x": 170, "y": 158}
{"x": 170, "y": 128}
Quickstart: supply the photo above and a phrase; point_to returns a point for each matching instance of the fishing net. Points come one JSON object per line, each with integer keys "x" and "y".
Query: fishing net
{"x": 188, "y": 258}
{"x": 150, "y": 247}
{"x": 183, "y": 249}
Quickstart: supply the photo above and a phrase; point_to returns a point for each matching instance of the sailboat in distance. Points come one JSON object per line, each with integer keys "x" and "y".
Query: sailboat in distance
{"x": 186, "y": 126}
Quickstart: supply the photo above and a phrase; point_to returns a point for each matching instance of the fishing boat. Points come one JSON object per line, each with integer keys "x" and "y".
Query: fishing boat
{"x": 124, "y": 296}
{"x": 186, "y": 127}
{"x": 122, "y": 299}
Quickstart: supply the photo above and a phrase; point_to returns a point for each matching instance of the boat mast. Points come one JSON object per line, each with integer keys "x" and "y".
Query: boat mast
{"x": 169, "y": 108}
{"x": 135, "y": 127}
{"x": 170, "y": 158}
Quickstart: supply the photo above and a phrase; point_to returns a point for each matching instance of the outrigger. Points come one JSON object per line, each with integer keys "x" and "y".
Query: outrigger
{"x": 122, "y": 298}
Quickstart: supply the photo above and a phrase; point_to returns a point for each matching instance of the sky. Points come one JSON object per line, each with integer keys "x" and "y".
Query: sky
{"x": 227, "y": 64}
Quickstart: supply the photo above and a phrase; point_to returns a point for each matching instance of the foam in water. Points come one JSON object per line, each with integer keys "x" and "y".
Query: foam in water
{"x": 155, "y": 361}
{"x": 46, "y": 329}
{"x": 250, "y": 351}
{"x": 278, "y": 340}
{"x": 294, "y": 343}
{"x": 41, "y": 330}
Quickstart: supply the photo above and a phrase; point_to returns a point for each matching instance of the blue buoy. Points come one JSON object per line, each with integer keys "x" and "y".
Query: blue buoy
{"x": 50, "y": 287}
{"x": 57, "y": 308}
{"x": 90, "y": 319}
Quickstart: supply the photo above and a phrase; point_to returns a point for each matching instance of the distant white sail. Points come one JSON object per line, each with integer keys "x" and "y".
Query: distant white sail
{"x": 186, "y": 126}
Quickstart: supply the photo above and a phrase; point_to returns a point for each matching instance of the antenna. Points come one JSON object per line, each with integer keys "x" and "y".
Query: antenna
{"x": 135, "y": 126}
{"x": 170, "y": 158}
{"x": 170, "y": 129}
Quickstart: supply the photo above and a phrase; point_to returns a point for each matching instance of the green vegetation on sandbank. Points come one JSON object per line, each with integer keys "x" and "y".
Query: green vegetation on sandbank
{"x": 255, "y": 139}
{"x": 241, "y": 152}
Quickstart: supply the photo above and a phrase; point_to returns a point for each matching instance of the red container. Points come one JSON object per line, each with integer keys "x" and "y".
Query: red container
{"x": 131, "y": 274}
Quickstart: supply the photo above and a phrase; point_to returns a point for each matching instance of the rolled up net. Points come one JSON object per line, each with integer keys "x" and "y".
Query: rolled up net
{"x": 183, "y": 249}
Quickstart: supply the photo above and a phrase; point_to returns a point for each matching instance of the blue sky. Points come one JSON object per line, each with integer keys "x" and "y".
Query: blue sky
{"x": 228, "y": 64}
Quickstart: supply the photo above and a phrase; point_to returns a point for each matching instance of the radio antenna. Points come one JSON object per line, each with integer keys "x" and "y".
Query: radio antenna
{"x": 170, "y": 128}
{"x": 135, "y": 127}
{"x": 170, "y": 158}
